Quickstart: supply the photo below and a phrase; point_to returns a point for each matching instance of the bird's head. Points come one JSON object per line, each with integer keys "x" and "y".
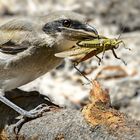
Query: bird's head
{"x": 68, "y": 27}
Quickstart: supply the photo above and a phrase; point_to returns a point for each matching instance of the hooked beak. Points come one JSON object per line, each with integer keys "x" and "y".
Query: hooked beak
{"x": 89, "y": 30}
{"x": 81, "y": 32}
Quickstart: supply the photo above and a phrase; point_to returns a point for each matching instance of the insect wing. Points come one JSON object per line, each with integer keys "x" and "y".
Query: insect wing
{"x": 74, "y": 52}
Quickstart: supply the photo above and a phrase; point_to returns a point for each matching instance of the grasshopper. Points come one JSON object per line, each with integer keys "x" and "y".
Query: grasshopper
{"x": 89, "y": 48}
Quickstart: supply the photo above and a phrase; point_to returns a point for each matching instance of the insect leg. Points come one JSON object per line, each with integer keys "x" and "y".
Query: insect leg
{"x": 99, "y": 59}
{"x": 103, "y": 51}
{"x": 125, "y": 46}
{"x": 75, "y": 66}
{"x": 115, "y": 55}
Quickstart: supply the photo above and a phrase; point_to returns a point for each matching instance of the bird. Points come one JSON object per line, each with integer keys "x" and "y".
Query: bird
{"x": 28, "y": 45}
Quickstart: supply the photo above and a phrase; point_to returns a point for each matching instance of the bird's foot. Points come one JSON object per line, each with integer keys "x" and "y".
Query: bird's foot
{"x": 29, "y": 115}
{"x": 37, "y": 112}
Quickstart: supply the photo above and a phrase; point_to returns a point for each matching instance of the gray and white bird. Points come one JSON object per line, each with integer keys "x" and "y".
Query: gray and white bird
{"x": 28, "y": 45}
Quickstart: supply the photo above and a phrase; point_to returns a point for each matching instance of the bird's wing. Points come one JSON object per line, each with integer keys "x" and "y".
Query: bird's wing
{"x": 16, "y": 36}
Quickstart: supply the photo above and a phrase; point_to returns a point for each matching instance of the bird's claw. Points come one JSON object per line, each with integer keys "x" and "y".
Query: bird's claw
{"x": 32, "y": 114}
{"x": 37, "y": 112}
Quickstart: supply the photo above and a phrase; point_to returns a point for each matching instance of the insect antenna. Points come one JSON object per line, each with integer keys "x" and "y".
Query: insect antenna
{"x": 123, "y": 28}
{"x": 121, "y": 33}
{"x": 75, "y": 66}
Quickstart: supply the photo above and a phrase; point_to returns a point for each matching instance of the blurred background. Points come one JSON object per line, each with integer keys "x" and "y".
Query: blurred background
{"x": 65, "y": 86}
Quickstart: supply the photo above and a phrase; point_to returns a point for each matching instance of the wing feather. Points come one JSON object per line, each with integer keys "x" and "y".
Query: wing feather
{"x": 16, "y": 36}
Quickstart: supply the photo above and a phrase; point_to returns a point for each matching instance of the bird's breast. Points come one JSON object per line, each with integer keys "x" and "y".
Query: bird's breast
{"x": 27, "y": 67}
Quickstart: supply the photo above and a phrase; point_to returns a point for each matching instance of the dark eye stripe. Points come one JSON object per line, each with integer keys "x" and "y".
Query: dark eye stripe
{"x": 55, "y": 26}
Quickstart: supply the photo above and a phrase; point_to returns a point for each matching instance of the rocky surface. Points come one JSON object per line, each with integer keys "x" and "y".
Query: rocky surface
{"x": 65, "y": 85}
{"x": 64, "y": 123}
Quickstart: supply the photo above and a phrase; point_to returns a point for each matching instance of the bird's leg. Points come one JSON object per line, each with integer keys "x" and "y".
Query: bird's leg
{"x": 29, "y": 114}
{"x": 26, "y": 114}
{"x": 75, "y": 66}
{"x": 115, "y": 55}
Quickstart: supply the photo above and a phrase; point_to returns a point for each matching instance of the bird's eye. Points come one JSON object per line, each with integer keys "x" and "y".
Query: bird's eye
{"x": 67, "y": 23}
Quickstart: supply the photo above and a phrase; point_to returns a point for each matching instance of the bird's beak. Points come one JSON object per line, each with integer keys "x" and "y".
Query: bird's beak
{"x": 81, "y": 32}
{"x": 88, "y": 31}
